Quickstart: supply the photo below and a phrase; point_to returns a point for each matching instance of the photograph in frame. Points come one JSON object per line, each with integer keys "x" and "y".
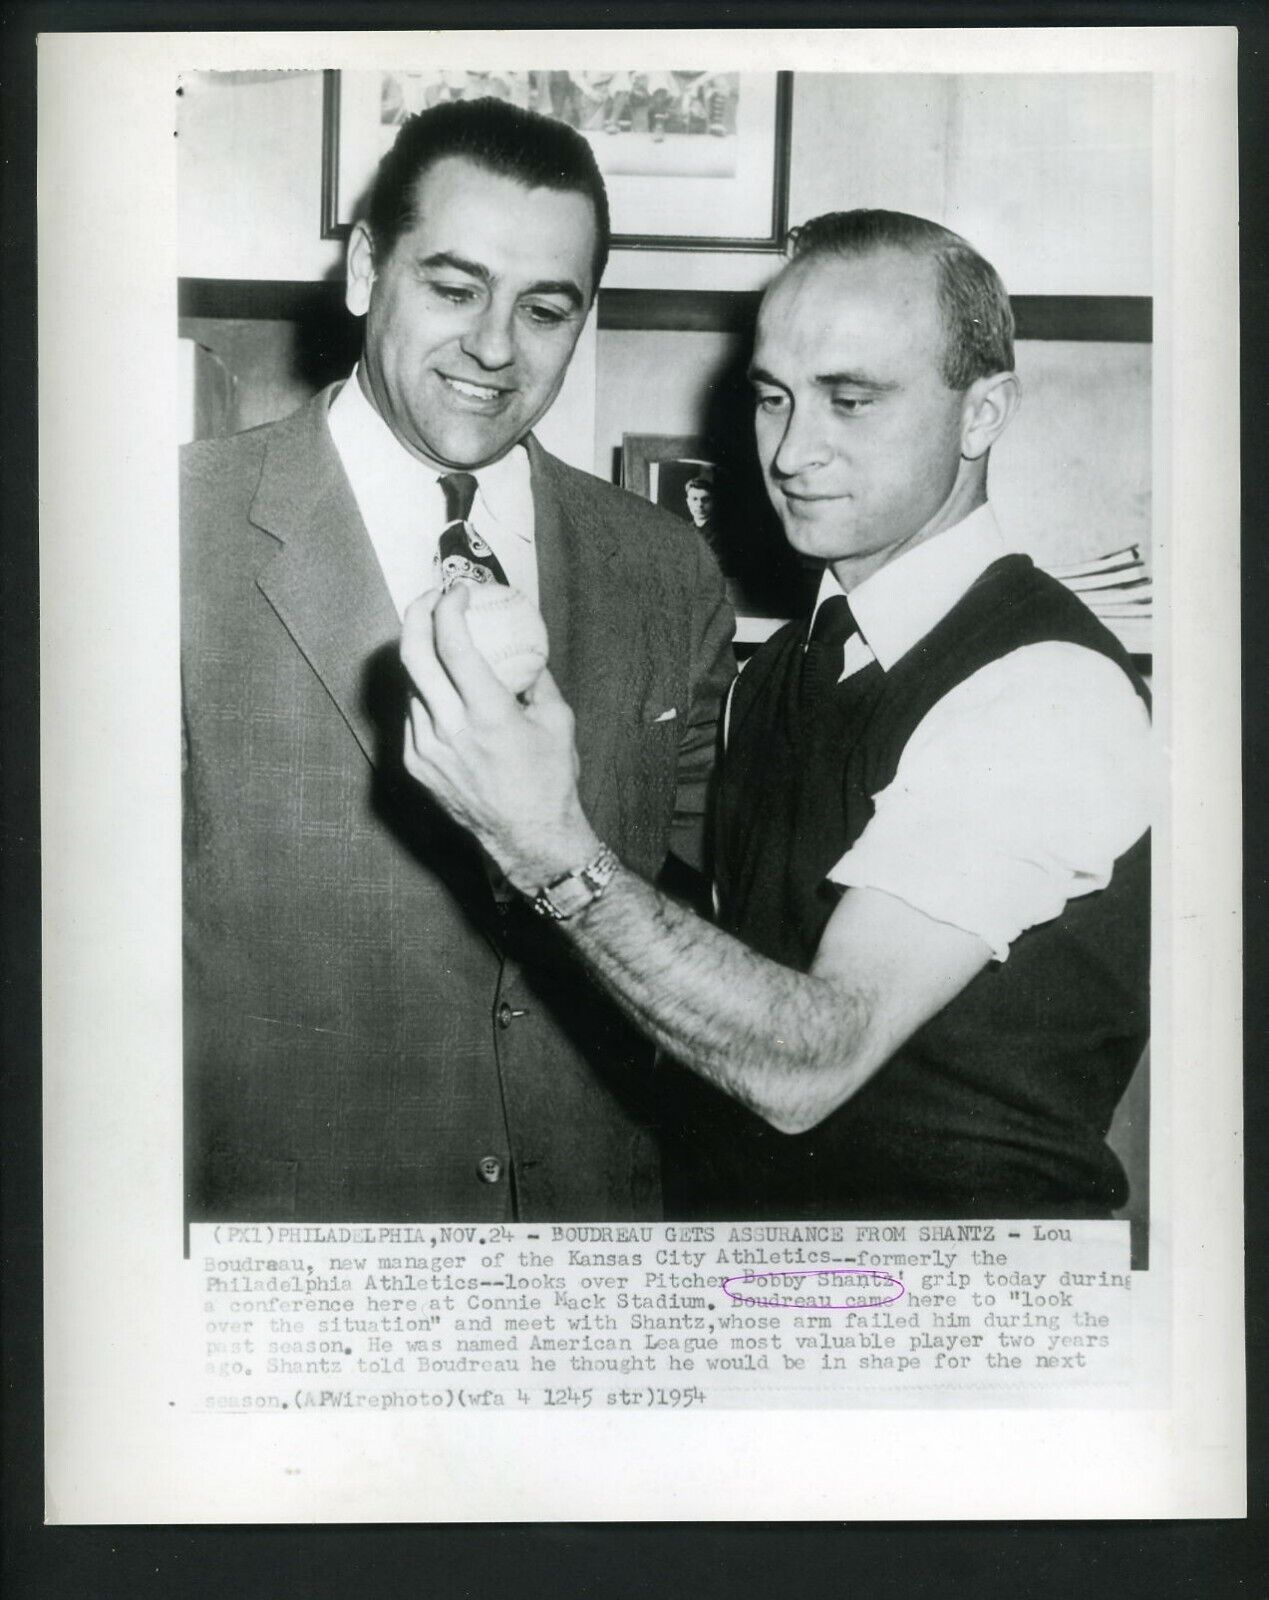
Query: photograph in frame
{"x": 1089, "y": 393}
{"x": 692, "y": 160}
{"x": 683, "y": 473}
{"x": 1071, "y": 481}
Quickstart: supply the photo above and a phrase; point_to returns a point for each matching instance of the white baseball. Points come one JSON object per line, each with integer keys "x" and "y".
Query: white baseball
{"x": 508, "y": 630}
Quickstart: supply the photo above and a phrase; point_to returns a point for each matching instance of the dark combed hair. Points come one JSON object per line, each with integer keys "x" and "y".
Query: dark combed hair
{"x": 503, "y": 139}
{"x": 977, "y": 317}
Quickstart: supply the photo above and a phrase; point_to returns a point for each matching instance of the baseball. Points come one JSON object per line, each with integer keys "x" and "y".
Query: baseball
{"x": 508, "y": 630}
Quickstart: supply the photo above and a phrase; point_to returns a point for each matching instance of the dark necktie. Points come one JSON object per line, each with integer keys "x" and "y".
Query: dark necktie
{"x": 823, "y": 659}
{"x": 461, "y": 553}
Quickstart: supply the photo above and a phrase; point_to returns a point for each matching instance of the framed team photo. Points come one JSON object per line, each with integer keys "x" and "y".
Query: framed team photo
{"x": 693, "y": 159}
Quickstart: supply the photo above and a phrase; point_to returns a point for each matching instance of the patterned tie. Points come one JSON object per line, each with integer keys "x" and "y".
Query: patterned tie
{"x": 461, "y": 553}
{"x": 823, "y": 659}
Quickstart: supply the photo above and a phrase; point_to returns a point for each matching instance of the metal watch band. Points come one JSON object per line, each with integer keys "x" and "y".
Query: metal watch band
{"x": 565, "y": 896}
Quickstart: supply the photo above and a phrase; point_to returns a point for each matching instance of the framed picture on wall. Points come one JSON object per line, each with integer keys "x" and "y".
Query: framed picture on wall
{"x": 688, "y": 476}
{"x": 693, "y": 160}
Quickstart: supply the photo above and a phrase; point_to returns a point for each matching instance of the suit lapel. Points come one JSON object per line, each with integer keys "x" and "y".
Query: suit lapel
{"x": 327, "y": 588}
{"x": 325, "y": 582}
{"x": 575, "y": 581}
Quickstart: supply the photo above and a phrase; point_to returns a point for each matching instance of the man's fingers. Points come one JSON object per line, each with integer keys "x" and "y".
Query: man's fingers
{"x": 419, "y": 657}
{"x": 471, "y": 675}
{"x": 548, "y": 706}
{"x": 544, "y": 691}
{"x": 422, "y": 734}
{"x": 429, "y": 757}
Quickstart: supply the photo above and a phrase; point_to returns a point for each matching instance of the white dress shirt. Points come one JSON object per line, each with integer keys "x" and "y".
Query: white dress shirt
{"x": 403, "y": 505}
{"x": 1021, "y": 787}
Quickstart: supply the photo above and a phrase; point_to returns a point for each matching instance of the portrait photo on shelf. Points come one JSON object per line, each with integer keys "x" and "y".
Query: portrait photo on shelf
{"x": 715, "y": 490}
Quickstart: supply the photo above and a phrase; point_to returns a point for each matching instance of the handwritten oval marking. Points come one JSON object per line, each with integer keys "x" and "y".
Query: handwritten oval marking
{"x": 811, "y": 1300}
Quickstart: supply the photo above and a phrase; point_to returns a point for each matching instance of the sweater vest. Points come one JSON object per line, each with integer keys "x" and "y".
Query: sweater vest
{"x": 1000, "y": 1104}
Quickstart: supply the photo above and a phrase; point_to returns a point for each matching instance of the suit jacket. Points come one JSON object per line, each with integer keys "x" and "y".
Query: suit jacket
{"x": 370, "y": 1033}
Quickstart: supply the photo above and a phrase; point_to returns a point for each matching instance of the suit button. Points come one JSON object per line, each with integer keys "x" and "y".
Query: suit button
{"x": 507, "y": 1014}
{"x": 489, "y": 1169}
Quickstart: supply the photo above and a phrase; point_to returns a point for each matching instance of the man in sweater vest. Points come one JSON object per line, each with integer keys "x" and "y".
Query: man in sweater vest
{"x": 929, "y": 984}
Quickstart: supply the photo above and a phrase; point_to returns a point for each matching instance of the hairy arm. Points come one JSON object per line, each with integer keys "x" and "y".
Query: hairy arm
{"x": 791, "y": 1046}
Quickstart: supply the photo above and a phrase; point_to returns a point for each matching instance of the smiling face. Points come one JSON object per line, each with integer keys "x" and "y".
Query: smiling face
{"x": 859, "y": 436}
{"x": 471, "y": 320}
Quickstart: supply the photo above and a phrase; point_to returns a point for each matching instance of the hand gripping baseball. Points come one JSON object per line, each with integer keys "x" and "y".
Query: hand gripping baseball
{"x": 502, "y": 767}
{"x": 508, "y": 630}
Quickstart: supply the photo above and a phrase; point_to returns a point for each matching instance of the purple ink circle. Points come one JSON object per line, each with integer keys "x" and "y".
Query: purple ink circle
{"x": 816, "y": 1304}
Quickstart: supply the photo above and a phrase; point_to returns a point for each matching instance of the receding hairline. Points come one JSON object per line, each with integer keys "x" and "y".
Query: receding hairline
{"x": 464, "y": 159}
{"x": 501, "y": 138}
{"x": 830, "y": 259}
{"x": 803, "y": 267}
{"x": 585, "y": 292}
{"x": 869, "y": 252}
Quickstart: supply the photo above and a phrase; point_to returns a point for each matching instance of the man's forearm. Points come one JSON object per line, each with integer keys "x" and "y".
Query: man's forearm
{"x": 791, "y": 1046}
{"x": 781, "y": 1042}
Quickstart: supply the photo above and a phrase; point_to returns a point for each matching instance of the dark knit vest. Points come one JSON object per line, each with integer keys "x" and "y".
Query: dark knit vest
{"x": 998, "y": 1106}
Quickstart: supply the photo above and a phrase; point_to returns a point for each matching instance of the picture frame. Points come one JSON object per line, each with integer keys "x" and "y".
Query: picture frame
{"x": 705, "y": 486}
{"x": 708, "y": 170}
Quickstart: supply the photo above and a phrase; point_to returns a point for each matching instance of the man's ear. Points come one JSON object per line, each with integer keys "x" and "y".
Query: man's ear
{"x": 359, "y": 270}
{"x": 988, "y": 410}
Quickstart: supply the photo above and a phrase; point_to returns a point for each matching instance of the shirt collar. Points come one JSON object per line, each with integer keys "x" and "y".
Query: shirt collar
{"x": 504, "y": 488}
{"x": 899, "y": 603}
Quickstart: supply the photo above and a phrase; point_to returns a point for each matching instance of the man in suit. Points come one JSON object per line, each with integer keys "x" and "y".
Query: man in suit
{"x": 376, "y": 1028}
{"x": 930, "y": 983}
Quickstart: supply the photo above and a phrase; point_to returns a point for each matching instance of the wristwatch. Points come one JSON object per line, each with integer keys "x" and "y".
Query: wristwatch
{"x": 565, "y": 896}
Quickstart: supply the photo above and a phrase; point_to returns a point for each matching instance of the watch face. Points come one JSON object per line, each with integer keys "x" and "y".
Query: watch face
{"x": 571, "y": 894}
